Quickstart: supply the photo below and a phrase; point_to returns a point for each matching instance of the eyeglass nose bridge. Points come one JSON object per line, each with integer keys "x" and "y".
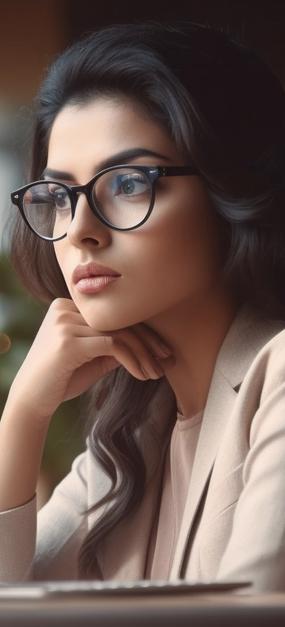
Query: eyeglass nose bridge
{"x": 87, "y": 189}
{"x": 76, "y": 190}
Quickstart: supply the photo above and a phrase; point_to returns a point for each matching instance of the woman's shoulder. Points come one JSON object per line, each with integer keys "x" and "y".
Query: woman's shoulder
{"x": 276, "y": 344}
{"x": 271, "y": 360}
{"x": 251, "y": 340}
{"x": 265, "y": 375}
{"x": 272, "y": 352}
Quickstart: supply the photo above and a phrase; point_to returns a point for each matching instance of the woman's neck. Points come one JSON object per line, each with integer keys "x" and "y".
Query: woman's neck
{"x": 195, "y": 333}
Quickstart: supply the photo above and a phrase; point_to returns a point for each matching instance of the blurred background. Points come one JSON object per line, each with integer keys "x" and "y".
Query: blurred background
{"x": 32, "y": 33}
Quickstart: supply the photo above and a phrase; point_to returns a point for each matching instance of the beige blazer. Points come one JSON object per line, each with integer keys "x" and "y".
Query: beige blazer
{"x": 233, "y": 528}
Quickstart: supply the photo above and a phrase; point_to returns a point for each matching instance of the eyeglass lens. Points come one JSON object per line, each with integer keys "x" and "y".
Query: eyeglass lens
{"x": 122, "y": 197}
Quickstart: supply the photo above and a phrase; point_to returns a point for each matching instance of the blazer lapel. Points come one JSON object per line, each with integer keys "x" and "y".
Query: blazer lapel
{"x": 219, "y": 405}
{"x": 245, "y": 337}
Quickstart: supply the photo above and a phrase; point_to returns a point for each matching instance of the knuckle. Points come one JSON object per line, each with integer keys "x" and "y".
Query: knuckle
{"x": 61, "y": 317}
{"x": 56, "y": 304}
{"x": 64, "y": 336}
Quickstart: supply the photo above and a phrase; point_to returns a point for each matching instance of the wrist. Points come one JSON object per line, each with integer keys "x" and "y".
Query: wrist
{"x": 19, "y": 410}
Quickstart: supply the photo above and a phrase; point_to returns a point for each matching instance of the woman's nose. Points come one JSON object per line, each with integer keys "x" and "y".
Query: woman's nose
{"x": 86, "y": 225}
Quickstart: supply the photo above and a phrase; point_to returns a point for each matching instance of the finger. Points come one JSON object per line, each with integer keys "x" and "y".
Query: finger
{"x": 105, "y": 345}
{"x": 143, "y": 352}
{"x": 154, "y": 343}
{"x": 74, "y": 321}
{"x": 85, "y": 376}
{"x": 63, "y": 303}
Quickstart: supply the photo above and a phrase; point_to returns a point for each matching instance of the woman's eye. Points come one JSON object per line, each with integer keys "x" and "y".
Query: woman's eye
{"x": 60, "y": 198}
{"x": 130, "y": 185}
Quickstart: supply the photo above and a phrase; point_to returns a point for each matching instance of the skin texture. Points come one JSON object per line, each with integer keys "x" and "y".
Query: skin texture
{"x": 171, "y": 267}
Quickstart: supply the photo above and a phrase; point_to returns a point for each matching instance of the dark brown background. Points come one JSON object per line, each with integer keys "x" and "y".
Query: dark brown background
{"x": 33, "y": 31}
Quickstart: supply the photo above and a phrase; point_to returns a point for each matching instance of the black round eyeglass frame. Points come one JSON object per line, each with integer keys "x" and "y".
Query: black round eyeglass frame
{"x": 153, "y": 173}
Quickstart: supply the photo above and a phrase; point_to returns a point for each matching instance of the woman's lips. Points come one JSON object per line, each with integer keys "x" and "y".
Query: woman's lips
{"x": 91, "y": 269}
{"x": 94, "y": 284}
{"x": 92, "y": 277}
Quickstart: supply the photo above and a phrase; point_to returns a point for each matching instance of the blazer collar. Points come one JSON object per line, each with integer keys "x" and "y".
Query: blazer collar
{"x": 248, "y": 332}
{"x": 246, "y": 336}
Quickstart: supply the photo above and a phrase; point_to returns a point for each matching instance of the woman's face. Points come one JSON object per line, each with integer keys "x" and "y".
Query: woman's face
{"x": 173, "y": 260}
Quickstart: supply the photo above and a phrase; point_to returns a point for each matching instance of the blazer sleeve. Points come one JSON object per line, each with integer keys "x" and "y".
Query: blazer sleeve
{"x": 45, "y": 545}
{"x": 256, "y": 548}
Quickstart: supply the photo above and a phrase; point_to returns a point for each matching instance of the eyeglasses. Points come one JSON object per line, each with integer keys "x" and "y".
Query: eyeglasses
{"x": 121, "y": 196}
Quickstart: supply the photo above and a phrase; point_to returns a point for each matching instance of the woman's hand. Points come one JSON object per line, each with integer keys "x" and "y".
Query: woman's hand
{"x": 67, "y": 357}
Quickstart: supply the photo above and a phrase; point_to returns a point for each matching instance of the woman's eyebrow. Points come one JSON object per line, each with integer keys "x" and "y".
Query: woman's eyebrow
{"x": 122, "y": 157}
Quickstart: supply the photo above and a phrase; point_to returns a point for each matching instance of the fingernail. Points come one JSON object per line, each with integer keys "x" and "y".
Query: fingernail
{"x": 145, "y": 374}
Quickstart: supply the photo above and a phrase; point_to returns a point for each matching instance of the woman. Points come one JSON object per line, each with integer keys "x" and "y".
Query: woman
{"x": 153, "y": 226}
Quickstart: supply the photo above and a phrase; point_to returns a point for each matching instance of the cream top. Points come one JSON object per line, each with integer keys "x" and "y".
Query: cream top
{"x": 176, "y": 479}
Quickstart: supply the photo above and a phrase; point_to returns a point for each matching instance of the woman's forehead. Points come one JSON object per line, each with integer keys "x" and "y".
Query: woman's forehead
{"x": 104, "y": 128}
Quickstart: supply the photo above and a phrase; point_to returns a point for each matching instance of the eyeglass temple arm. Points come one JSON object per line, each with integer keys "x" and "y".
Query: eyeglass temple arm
{"x": 178, "y": 171}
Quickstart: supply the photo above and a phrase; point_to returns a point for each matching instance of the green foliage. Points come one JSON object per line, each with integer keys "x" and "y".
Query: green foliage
{"x": 20, "y": 319}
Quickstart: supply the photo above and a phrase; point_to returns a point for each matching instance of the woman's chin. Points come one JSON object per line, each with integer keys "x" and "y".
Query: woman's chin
{"x": 105, "y": 317}
{"x": 104, "y": 324}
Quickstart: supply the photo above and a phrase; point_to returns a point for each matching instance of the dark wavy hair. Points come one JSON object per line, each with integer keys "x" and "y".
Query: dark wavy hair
{"x": 225, "y": 110}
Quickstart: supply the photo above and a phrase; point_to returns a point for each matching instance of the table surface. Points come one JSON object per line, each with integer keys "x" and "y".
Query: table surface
{"x": 197, "y": 610}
